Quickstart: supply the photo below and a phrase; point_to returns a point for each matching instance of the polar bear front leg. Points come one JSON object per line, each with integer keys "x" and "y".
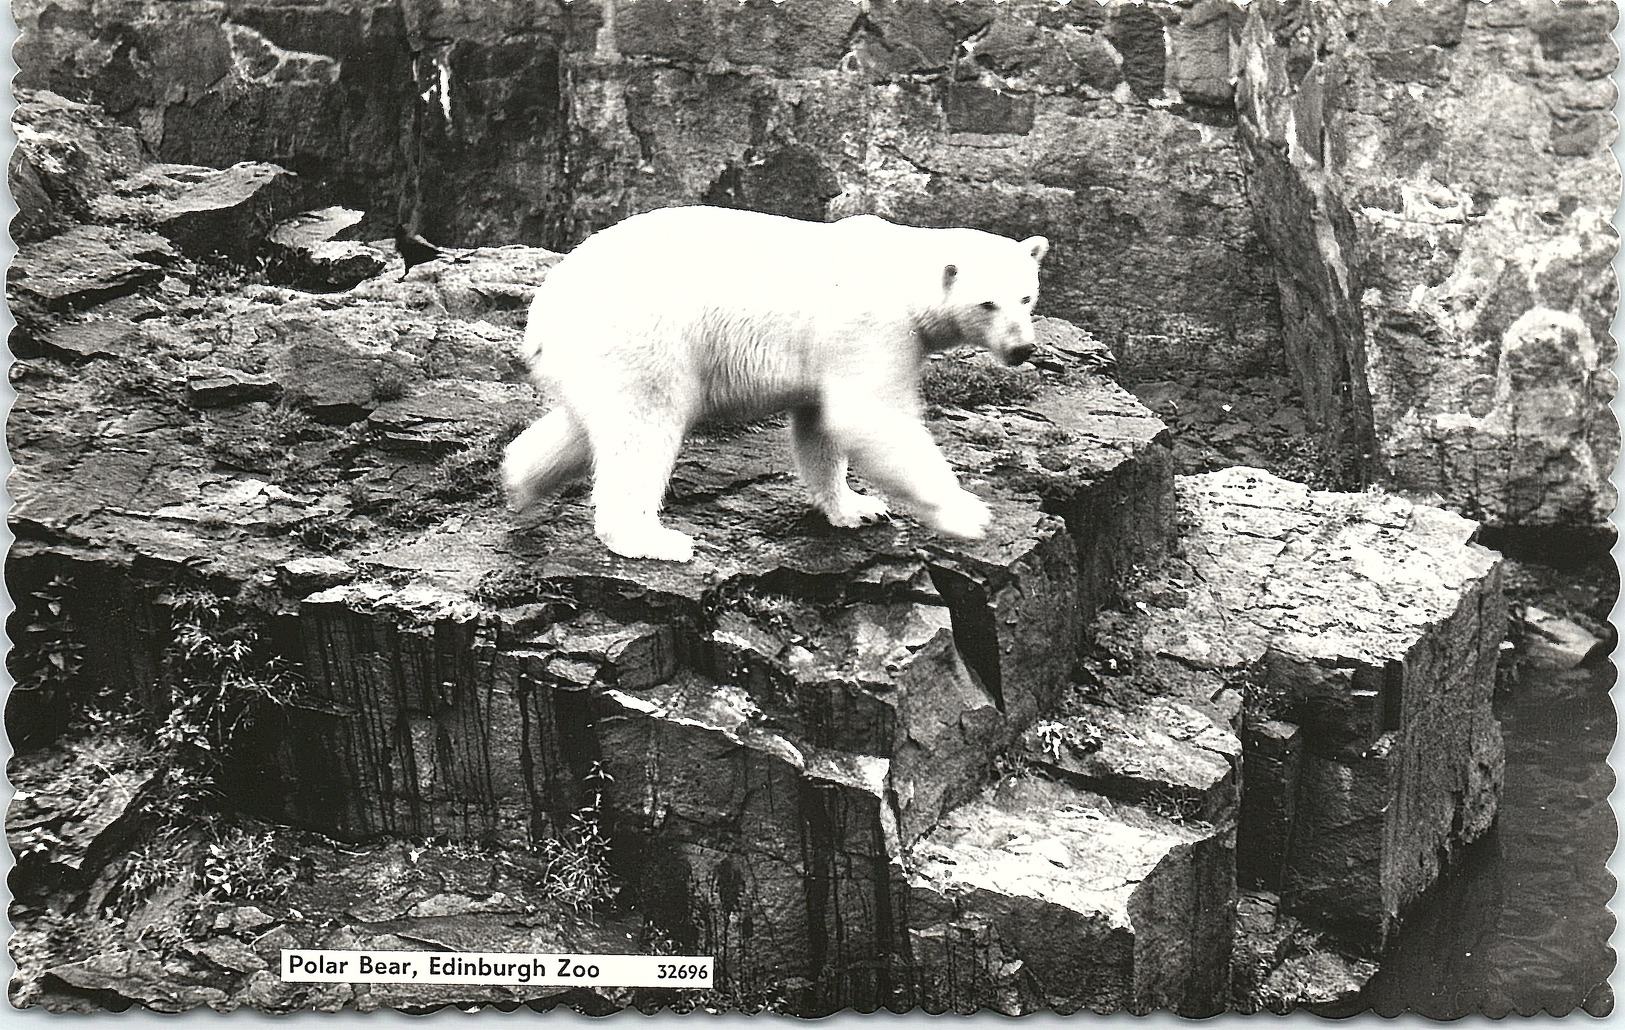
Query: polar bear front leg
{"x": 822, "y": 466}
{"x": 892, "y": 448}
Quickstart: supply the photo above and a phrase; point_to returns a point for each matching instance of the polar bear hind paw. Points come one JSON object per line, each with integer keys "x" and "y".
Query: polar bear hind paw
{"x": 652, "y": 542}
{"x": 965, "y": 516}
{"x": 852, "y": 509}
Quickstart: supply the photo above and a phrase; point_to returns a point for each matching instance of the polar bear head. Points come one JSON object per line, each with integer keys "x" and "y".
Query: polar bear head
{"x": 988, "y": 293}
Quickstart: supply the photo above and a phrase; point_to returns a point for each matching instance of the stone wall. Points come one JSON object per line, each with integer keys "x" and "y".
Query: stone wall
{"x": 1109, "y": 129}
{"x": 1436, "y": 185}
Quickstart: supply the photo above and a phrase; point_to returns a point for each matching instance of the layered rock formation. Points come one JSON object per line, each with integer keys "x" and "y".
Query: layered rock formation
{"x": 1436, "y": 185}
{"x": 1427, "y": 187}
{"x": 862, "y": 768}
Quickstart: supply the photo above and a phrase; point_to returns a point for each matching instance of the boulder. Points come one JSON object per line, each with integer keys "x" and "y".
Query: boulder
{"x": 1039, "y": 895}
{"x": 68, "y": 154}
{"x": 305, "y": 253}
{"x": 214, "y": 388}
{"x": 226, "y": 211}
{"x": 1365, "y": 630}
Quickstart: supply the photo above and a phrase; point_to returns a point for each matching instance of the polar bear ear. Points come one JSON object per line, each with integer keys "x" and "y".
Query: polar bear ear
{"x": 1038, "y": 245}
{"x": 949, "y": 274}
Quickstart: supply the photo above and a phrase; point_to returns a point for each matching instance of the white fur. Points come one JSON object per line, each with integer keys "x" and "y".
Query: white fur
{"x": 679, "y": 315}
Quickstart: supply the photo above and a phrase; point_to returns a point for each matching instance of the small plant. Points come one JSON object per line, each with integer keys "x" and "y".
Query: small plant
{"x": 951, "y": 383}
{"x": 217, "y": 273}
{"x": 156, "y": 864}
{"x": 576, "y": 861}
{"x": 288, "y": 424}
{"x": 328, "y": 533}
{"x": 219, "y": 679}
{"x": 1174, "y": 807}
{"x": 244, "y": 866}
{"x": 389, "y": 385}
{"x": 48, "y": 652}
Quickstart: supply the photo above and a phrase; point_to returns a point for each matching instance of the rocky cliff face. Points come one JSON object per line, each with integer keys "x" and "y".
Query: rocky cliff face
{"x": 861, "y": 768}
{"x": 1436, "y": 186}
{"x": 531, "y": 121}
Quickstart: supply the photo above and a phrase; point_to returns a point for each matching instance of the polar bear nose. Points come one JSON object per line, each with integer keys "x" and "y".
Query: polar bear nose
{"x": 1019, "y": 353}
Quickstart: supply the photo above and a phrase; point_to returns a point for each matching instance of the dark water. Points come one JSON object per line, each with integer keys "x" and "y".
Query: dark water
{"x": 1522, "y": 924}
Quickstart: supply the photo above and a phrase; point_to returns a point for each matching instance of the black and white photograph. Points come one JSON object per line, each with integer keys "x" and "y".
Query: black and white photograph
{"x": 811, "y": 506}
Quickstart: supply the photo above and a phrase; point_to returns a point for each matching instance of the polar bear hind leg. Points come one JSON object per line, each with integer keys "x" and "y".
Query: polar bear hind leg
{"x": 544, "y": 458}
{"x": 822, "y": 466}
{"x": 633, "y": 455}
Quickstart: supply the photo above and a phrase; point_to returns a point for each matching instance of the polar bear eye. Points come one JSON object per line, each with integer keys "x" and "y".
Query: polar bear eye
{"x": 988, "y": 305}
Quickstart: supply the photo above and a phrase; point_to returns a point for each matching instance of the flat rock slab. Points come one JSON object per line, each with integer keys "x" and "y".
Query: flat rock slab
{"x": 448, "y": 417}
{"x": 1165, "y": 754}
{"x": 204, "y": 210}
{"x": 1372, "y": 623}
{"x": 103, "y": 338}
{"x": 1047, "y": 896}
{"x": 88, "y": 264}
{"x": 214, "y": 388}
{"x": 312, "y": 227}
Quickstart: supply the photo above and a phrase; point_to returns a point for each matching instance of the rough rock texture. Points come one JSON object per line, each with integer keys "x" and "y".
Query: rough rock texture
{"x": 325, "y": 90}
{"x": 203, "y": 210}
{"x": 789, "y": 741}
{"x": 86, "y": 265}
{"x": 537, "y": 122}
{"x": 786, "y": 739}
{"x": 1165, "y": 754}
{"x": 1365, "y": 630}
{"x": 1018, "y": 117}
{"x": 67, "y": 153}
{"x": 776, "y": 721}
{"x": 388, "y": 896}
{"x": 307, "y": 255}
{"x": 1043, "y": 896}
{"x": 1435, "y": 184}
{"x": 76, "y": 812}
{"x": 1279, "y": 964}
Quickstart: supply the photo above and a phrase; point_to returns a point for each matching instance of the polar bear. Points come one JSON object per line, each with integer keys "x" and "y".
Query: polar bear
{"x": 684, "y": 314}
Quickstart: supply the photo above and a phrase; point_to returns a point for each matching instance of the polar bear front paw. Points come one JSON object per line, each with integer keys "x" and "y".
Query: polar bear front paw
{"x": 964, "y": 516}
{"x": 650, "y": 542}
{"x": 852, "y": 509}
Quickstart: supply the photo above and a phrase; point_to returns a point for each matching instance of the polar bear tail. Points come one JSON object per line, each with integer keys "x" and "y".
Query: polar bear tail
{"x": 544, "y": 458}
